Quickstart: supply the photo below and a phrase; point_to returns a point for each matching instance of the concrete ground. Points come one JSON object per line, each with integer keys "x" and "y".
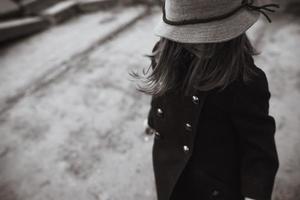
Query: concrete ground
{"x": 80, "y": 135}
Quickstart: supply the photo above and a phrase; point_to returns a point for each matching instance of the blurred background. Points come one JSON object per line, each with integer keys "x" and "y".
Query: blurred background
{"x": 71, "y": 121}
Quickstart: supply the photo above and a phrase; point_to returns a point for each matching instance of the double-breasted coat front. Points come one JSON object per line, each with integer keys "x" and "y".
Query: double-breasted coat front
{"x": 215, "y": 145}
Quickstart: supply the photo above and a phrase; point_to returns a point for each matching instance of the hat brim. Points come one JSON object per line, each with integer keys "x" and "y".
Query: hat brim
{"x": 217, "y": 31}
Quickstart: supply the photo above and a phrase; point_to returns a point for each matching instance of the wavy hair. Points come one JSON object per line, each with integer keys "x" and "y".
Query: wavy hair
{"x": 205, "y": 66}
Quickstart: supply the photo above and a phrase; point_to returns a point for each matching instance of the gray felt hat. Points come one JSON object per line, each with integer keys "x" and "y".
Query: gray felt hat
{"x": 208, "y": 21}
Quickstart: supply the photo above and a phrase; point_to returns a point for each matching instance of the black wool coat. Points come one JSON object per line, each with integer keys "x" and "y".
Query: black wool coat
{"x": 215, "y": 145}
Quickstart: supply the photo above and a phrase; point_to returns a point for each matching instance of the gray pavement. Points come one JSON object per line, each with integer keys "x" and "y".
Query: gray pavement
{"x": 81, "y": 137}
{"x": 29, "y": 64}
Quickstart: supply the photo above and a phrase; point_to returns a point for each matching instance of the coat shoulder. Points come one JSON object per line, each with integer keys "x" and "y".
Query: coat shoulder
{"x": 258, "y": 85}
{"x": 255, "y": 88}
{"x": 240, "y": 93}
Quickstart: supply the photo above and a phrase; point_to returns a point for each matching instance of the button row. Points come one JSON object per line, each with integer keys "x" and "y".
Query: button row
{"x": 188, "y": 126}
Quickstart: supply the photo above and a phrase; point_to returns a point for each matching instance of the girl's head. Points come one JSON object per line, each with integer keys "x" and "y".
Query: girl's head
{"x": 201, "y": 66}
{"x": 203, "y": 45}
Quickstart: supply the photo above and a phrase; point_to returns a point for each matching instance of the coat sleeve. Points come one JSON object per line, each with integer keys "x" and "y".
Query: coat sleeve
{"x": 255, "y": 129}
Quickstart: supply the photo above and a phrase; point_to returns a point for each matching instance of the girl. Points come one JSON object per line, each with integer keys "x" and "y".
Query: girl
{"x": 214, "y": 137}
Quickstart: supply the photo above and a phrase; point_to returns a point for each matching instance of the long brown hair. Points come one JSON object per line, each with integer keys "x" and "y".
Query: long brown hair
{"x": 203, "y": 67}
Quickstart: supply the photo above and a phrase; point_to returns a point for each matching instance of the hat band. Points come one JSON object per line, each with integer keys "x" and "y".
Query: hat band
{"x": 248, "y": 4}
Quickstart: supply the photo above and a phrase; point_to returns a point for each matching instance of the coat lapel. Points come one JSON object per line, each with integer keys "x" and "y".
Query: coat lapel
{"x": 180, "y": 125}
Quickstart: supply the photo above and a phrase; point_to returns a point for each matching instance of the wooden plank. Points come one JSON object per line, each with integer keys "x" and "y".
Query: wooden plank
{"x": 13, "y": 29}
{"x": 60, "y": 12}
{"x": 95, "y": 5}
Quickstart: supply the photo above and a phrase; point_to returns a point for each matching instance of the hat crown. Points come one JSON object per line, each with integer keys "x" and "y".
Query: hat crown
{"x": 201, "y": 9}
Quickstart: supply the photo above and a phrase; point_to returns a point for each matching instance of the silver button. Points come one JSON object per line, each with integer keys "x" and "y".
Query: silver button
{"x": 195, "y": 100}
{"x": 215, "y": 193}
{"x": 157, "y": 134}
{"x": 188, "y": 126}
{"x": 186, "y": 149}
{"x": 159, "y": 112}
